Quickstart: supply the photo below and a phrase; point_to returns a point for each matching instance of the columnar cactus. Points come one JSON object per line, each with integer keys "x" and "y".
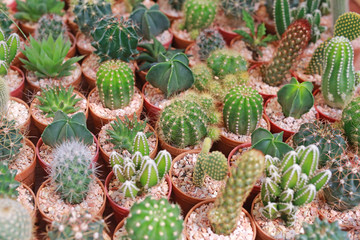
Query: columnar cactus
{"x": 50, "y": 24}
{"x": 8, "y": 186}
{"x": 338, "y": 79}
{"x": 232, "y": 8}
{"x": 224, "y": 61}
{"x": 154, "y": 219}
{"x": 225, "y": 214}
{"x": 8, "y": 50}
{"x": 291, "y": 45}
{"x": 10, "y": 139}
{"x": 348, "y": 25}
{"x": 242, "y": 110}
{"x": 176, "y": 4}
{"x": 15, "y": 221}
{"x": 291, "y": 182}
{"x": 351, "y": 122}
{"x": 202, "y": 75}
{"x": 208, "y": 41}
{"x": 115, "y": 82}
{"x": 315, "y": 65}
{"x": 72, "y": 171}
{"x": 338, "y": 7}
{"x": 4, "y": 95}
{"x": 282, "y": 17}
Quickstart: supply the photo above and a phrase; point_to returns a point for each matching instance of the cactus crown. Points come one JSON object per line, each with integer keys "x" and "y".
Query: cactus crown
{"x": 8, "y": 186}
{"x": 291, "y": 182}
{"x": 58, "y": 98}
{"x": 32, "y": 10}
{"x": 154, "y": 219}
{"x": 208, "y": 41}
{"x": 224, "y": 61}
{"x": 351, "y": 122}
{"x": 51, "y": 24}
{"x": 10, "y": 139}
{"x": 9, "y": 46}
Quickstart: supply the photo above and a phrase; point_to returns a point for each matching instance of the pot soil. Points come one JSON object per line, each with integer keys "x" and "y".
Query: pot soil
{"x": 16, "y": 82}
{"x": 27, "y": 198}
{"x": 181, "y": 37}
{"x": 83, "y": 44}
{"x": 19, "y": 111}
{"x": 326, "y": 112}
{"x": 168, "y": 11}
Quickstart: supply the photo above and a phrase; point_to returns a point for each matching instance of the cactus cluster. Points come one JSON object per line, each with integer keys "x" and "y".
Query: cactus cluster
{"x": 291, "y": 183}
{"x": 10, "y": 139}
{"x": 8, "y": 186}
{"x": 154, "y": 219}
{"x": 224, "y": 61}
{"x": 233, "y": 8}
{"x": 115, "y": 82}
{"x": 9, "y": 46}
{"x": 51, "y": 24}
{"x": 228, "y": 205}
{"x": 208, "y": 41}
{"x": 351, "y": 122}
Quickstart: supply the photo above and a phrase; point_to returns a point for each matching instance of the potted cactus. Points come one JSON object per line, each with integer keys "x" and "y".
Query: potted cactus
{"x": 172, "y": 8}
{"x": 322, "y": 229}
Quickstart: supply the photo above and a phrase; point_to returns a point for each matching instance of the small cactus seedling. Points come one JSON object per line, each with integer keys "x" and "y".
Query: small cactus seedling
{"x": 351, "y": 122}
{"x": 10, "y": 139}
{"x": 224, "y": 61}
{"x": 154, "y": 219}
{"x": 51, "y": 24}
{"x": 9, "y": 47}
{"x": 8, "y": 184}
{"x": 208, "y": 41}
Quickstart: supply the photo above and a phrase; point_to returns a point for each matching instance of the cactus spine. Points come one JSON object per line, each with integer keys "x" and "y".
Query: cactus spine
{"x": 208, "y": 41}
{"x": 282, "y": 16}
{"x": 50, "y": 24}
{"x": 351, "y": 122}
{"x": 224, "y": 61}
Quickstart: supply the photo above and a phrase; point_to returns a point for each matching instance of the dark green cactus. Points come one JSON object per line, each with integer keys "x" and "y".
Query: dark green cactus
{"x": 10, "y": 139}
{"x": 130, "y": 4}
{"x": 32, "y": 10}
{"x": 50, "y": 24}
{"x": 176, "y": 4}
{"x": 224, "y": 61}
{"x": 282, "y": 16}
{"x": 8, "y": 184}
{"x": 154, "y": 219}
{"x": 5, "y": 21}
{"x": 4, "y": 95}
{"x": 348, "y": 25}
{"x": 315, "y": 65}
{"x": 351, "y": 122}
{"x": 325, "y": 7}
{"x": 202, "y": 76}
{"x": 208, "y": 41}
{"x": 233, "y": 8}
{"x": 115, "y": 82}
{"x": 242, "y": 110}
{"x": 9, "y": 46}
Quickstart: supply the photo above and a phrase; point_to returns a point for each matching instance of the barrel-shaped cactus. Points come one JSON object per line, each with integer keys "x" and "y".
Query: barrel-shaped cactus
{"x": 50, "y": 24}
{"x": 232, "y": 8}
{"x": 348, "y": 25}
{"x": 351, "y": 122}
{"x": 10, "y": 139}
{"x": 242, "y": 110}
{"x": 208, "y": 41}
{"x": 115, "y": 82}
{"x": 224, "y": 61}
{"x": 315, "y": 65}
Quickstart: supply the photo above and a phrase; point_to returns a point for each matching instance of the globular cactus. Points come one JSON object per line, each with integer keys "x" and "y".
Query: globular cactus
{"x": 224, "y": 61}
{"x": 10, "y": 139}
{"x": 51, "y": 24}
{"x": 282, "y": 16}
{"x": 242, "y": 110}
{"x": 72, "y": 171}
{"x": 88, "y": 12}
{"x": 9, "y": 46}
{"x": 291, "y": 45}
{"x": 115, "y": 39}
{"x": 213, "y": 164}
{"x": 15, "y": 221}
{"x": 296, "y": 98}
{"x": 208, "y": 41}
{"x": 8, "y": 186}
{"x": 141, "y": 144}
{"x": 338, "y": 79}
{"x": 232, "y": 8}
{"x": 4, "y": 95}
{"x": 154, "y": 219}
{"x": 328, "y": 139}
{"x": 322, "y": 230}
{"x": 202, "y": 76}
{"x": 246, "y": 170}
{"x": 291, "y": 182}
{"x": 348, "y": 25}
{"x": 351, "y": 122}
{"x": 115, "y": 82}
{"x": 77, "y": 225}
{"x": 176, "y": 4}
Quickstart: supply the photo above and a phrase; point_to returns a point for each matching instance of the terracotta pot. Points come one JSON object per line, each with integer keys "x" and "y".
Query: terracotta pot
{"x": 100, "y": 121}
{"x": 82, "y": 51}
{"x": 152, "y": 155}
{"x": 39, "y": 124}
{"x": 18, "y": 92}
{"x": 322, "y": 115}
{"x": 33, "y": 212}
{"x": 120, "y": 225}
{"x": 261, "y": 235}
{"x": 24, "y": 128}
{"x": 301, "y": 80}
{"x": 174, "y": 151}
{"x": 71, "y": 24}
{"x": 72, "y": 51}
{"x": 50, "y": 220}
{"x": 178, "y": 41}
{"x": 210, "y": 201}
{"x": 227, "y": 35}
{"x": 142, "y": 77}
{"x": 120, "y": 212}
{"x": 27, "y": 28}
{"x": 264, "y": 95}
{"x": 27, "y": 176}
{"x": 152, "y": 111}
{"x": 46, "y": 166}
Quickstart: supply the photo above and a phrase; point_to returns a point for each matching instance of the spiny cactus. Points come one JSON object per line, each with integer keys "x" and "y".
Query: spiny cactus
{"x": 15, "y": 221}
{"x": 32, "y": 10}
{"x": 282, "y": 17}
{"x": 225, "y": 214}
{"x": 232, "y": 8}
{"x": 115, "y": 82}
{"x": 325, "y": 7}
{"x": 322, "y": 230}
{"x": 208, "y": 41}
{"x": 51, "y": 24}
{"x": 10, "y": 139}
{"x": 242, "y": 110}
{"x": 72, "y": 171}
{"x": 115, "y": 39}
{"x": 338, "y": 79}
{"x": 351, "y": 122}
{"x": 328, "y": 139}
{"x": 4, "y": 95}
{"x": 202, "y": 75}
{"x": 291, "y": 182}
{"x": 176, "y": 4}
{"x": 9, "y": 46}
{"x": 154, "y": 219}
{"x": 8, "y": 184}
{"x": 348, "y": 25}
{"x": 5, "y": 21}
{"x": 224, "y": 61}
{"x": 292, "y": 43}
{"x": 315, "y": 65}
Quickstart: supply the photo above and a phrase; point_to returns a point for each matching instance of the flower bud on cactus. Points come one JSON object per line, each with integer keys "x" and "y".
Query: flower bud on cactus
{"x": 8, "y": 184}
{"x": 176, "y": 4}
{"x": 223, "y": 62}
{"x": 202, "y": 76}
{"x": 51, "y": 24}
{"x": 10, "y": 139}
{"x": 4, "y": 95}
{"x": 208, "y": 41}
{"x": 242, "y": 110}
{"x": 232, "y": 8}
{"x": 348, "y": 25}
{"x": 154, "y": 219}
{"x": 351, "y": 122}
{"x": 115, "y": 82}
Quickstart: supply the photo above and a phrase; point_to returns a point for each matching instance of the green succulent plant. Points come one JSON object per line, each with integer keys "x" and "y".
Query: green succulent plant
{"x": 225, "y": 61}
{"x": 32, "y": 10}
{"x": 8, "y": 184}
{"x": 10, "y": 139}
{"x": 233, "y": 8}
{"x": 208, "y": 41}
{"x": 51, "y": 24}
{"x": 9, "y": 47}
{"x": 5, "y": 20}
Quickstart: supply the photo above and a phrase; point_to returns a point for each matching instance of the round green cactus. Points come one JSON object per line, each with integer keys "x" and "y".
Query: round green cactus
{"x": 115, "y": 82}
{"x": 10, "y": 139}
{"x": 4, "y": 95}
{"x": 348, "y": 25}
{"x": 154, "y": 219}
{"x": 202, "y": 75}
{"x": 242, "y": 110}
{"x": 8, "y": 186}
{"x": 351, "y": 122}
{"x": 232, "y": 8}
{"x": 50, "y": 24}
{"x": 15, "y": 221}
{"x": 224, "y": 61}
{"x": 208, "y": 41}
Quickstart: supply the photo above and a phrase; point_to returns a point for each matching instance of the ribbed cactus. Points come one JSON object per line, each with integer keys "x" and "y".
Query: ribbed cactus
{"x": 10, "y": 139}
{"x": 8, "y": 186}
{"x": 338, "y": 79}
{"x": 246, "y": 170}
{"x": 208, "y": 41}
{"x": 232, "y": 8}
{"x": 154, "y": 219}
{"x": 115, "y": 82}
{"x": 348, "y": 25}
{"x": 176, "y": 4}
{"x": 351, "y": 122}
{"x": 141, "y": 144}
{"x": 72, "y": 171}
{"x": 115, "y": 39}
{"x": 9, "y": 46}
{"x": 291, "y": 45}
{"x": 202, "y": 75}
{"x": 50, "y": 24}
{"x": 322, "y": 230}
{"x": 328, "y": 139}
{"x": 291, "y": 182}
{"x": 224, "y": 61}
{"x": 315, "y": 65}
{"x": 282, "y": 17}
{"x": 15, "y": 221}
{"x": 242, "y": 110}
{"x": 4, "y": 95}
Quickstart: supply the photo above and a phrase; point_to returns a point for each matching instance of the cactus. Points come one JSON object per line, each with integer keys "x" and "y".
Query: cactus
{"x": 291, "y": 182}
{"x": 296, "y": 98}
{"x": 347, "y": 25}
{"x": 315, "y": 65}
{"x": 322, "y": 230}
{"x": 208, "y": 41}
{"x": 328, "y": 139}
{"x": 87, "y": 13}
{"x": 8, "y": 50}
{"x": 10, "y": 139}
{"x": 176, "y": 4}
{"x": 51, "y": 24}
{"x": 130, "y": 4}
{"x": 5, "y": 21}
{"x": 293, "y": 41}
{"x": 224, "y": 61}
{"x": 225, "y": 214}
{"x": 242, "y": 110}
{"x": 115, "y": 82}
{"x": 325, "y": 7}
{"x": 282, "y": 17}
{"x": 72, "y": 171}
{"x": 8, "y": 186}
{"x": 232, "y": 8}
{"x": 4, "y": 95}
{"x": 115, "y": 39}
{"x": 154, "y": 219}
{"x": 202, "y": 76}
{"x": 64, "y": 128}
{"x": 338, "y": 7}
{"x": 351, "y": 122}
{"x": 338, "y": 79}
{"x": 15, "y": 221}
{"x": 32, "y": 10}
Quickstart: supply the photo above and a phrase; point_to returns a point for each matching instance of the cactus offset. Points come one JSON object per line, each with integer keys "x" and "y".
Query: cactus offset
{"x": 51, "y": 24}
{"x": 351, "y": 122}
{"x": 208, "y": 41}
{"x": 10, "y": 139}
{"x": 8, "y": 186}
{"x": 224, "y": 61}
